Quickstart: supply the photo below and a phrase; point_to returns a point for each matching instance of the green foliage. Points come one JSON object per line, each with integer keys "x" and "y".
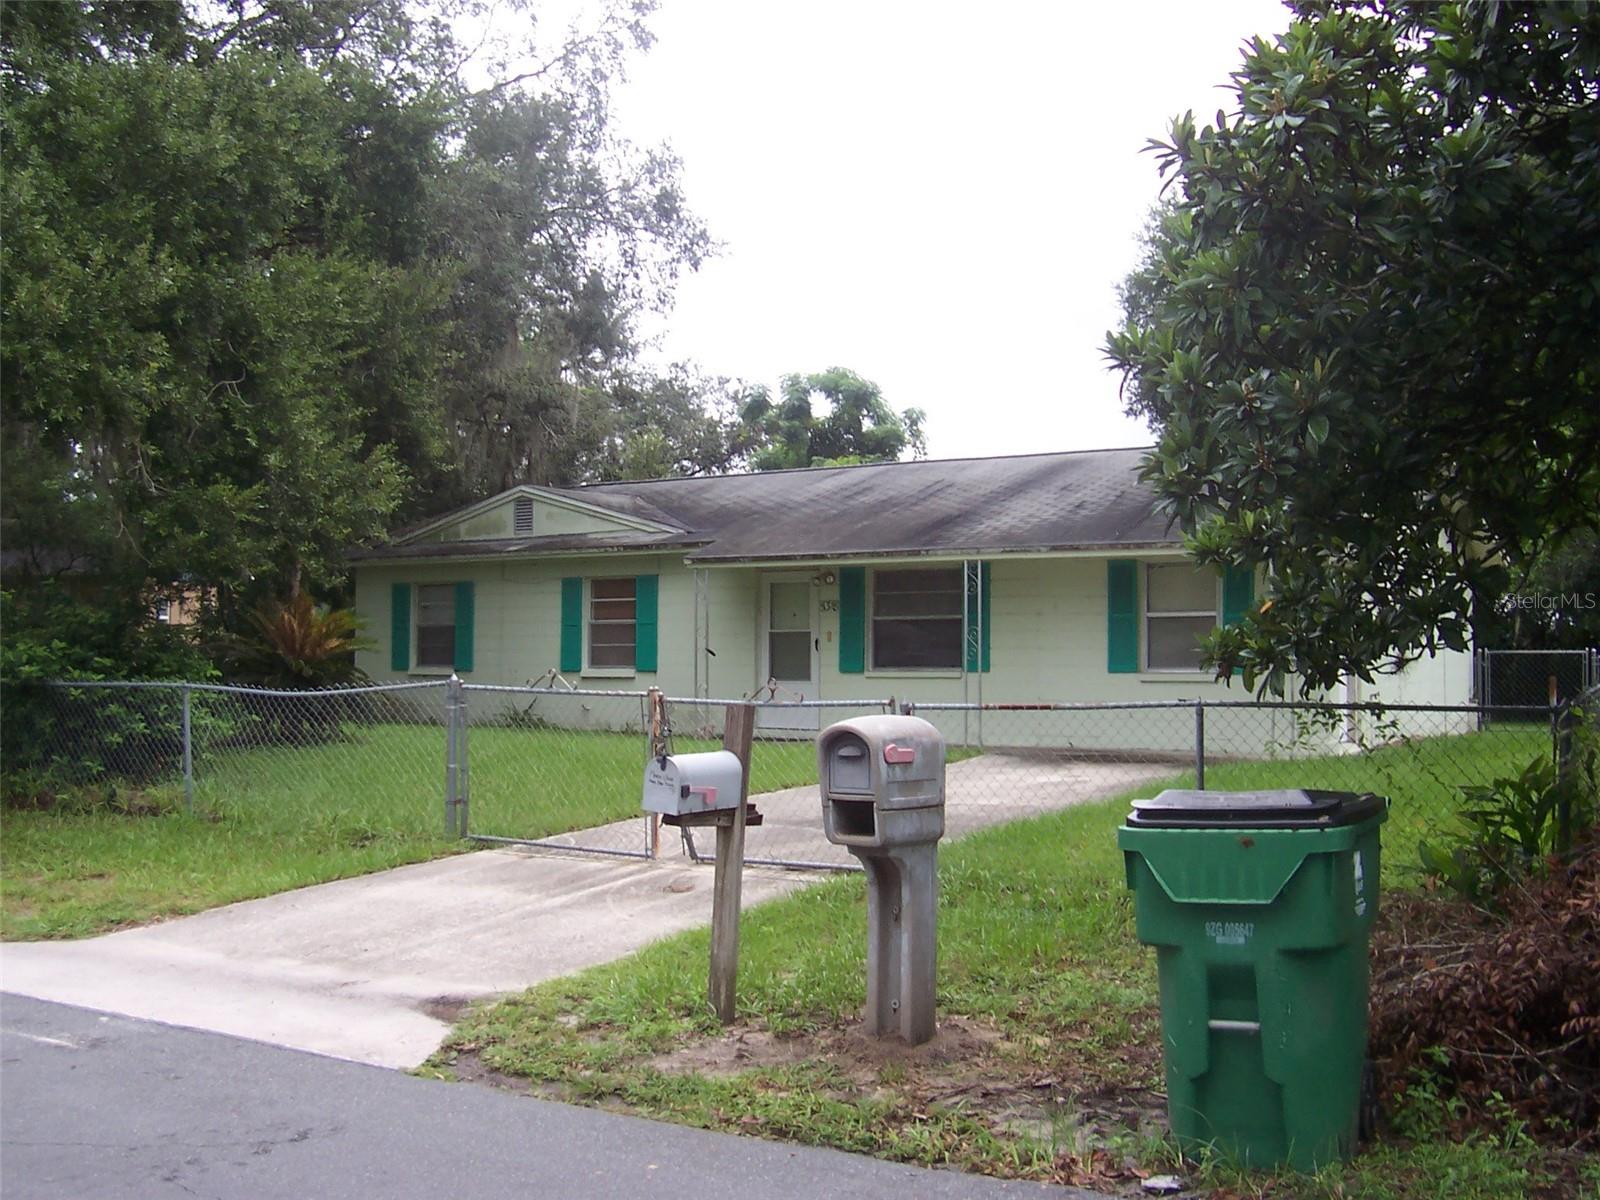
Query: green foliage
{"x": 857, "y": 427}
{"x": 1364, "y": 331}
{"x": 50, "y": 635}
{"x": 1513, "y": 826}
{"x": 277, "y": 276}
{"x": 652, "y": 427}
{"x": 297, "y": 643}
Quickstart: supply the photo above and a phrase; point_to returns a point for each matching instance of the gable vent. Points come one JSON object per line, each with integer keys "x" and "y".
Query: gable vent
{"x": 522, "y": 518}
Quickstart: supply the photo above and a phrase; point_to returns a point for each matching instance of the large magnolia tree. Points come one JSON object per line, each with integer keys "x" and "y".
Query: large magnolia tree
{"x": 1366, "y": 330}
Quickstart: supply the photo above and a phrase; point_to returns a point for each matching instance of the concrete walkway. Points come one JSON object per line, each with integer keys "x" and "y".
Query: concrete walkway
{"x": 374, "y": 968}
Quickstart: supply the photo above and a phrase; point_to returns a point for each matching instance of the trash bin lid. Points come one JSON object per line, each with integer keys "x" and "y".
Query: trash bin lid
{"x": 1289, "y": 808}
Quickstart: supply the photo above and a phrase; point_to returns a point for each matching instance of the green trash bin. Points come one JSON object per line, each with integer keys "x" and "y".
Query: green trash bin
{"x": 1259, "y": 905}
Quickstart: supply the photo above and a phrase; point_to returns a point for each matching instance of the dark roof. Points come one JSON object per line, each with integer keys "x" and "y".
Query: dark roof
{"x": 563, "y": 543}
{"x": 1082, "y": 500}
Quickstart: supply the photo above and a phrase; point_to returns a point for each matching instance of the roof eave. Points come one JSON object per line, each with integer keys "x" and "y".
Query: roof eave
{"x": 954, "y": 554}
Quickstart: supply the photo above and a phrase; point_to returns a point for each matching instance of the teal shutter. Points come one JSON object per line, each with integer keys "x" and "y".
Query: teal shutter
{"x": 852, "y": 620}
{"x": 400, "y": 627}
{"x": 1238, "y": 593}
{"x": 1122, "y": 616}
{"x": 572, "y": 624}
{"x": 647, "y": 603}
{"x": 978, "y": 616}
{"x": 465, "y": 619}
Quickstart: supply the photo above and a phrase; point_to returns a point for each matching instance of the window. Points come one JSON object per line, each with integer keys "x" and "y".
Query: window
{"x": 436, "y": 624}
{"x": 1180, "y": 609}
{"x": 613, "y": 622}
{"x": 917, "y": 619}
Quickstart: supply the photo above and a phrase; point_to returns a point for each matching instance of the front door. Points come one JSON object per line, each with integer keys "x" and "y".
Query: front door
{"x": 791, "y": 658}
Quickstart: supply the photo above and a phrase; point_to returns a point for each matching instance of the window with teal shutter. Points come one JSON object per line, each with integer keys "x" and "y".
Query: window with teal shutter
{"x": 1238, "y": 597}
{"x": 572, "y": 624}
{"x": 1122, "y": 616}
{"x": 647, "y": 600}
{"x": 400, "y": 627}
{"x": 852, "y": 620}
{"x": 1238, "y": 593}
{"x": 465, "y": 622}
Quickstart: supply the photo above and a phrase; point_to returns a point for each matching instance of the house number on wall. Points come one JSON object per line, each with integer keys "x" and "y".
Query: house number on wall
{"x": 828, "y": 605}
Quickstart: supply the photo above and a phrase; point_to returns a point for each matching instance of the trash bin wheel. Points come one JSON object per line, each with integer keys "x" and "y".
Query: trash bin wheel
{"x": 1367, "y": 1120}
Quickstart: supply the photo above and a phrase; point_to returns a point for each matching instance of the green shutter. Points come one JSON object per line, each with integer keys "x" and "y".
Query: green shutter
{"x": 852, "y": 620}
{"x": 465, "y": 619}
{"x": 647, "y": 603}
{"x": 400, "y": 627}
{"x": 978, "y": 616}
{"x": 1238, "y": 593}
{"x": 572, "y": 624}
{"x": 1122, "y": 616}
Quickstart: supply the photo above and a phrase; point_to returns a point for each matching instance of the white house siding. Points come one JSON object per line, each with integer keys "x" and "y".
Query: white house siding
{"x": 1048, "y": 645}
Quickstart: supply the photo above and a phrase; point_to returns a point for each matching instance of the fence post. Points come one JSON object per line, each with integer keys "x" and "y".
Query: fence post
{"x": 655, "y": 734}
{"x": 1555, "y": 723}
{"x": 451, "y": 694}
{"x": 1200, "y": 745}
{"x": 188, "y": 755}
{"x": 463, "y": 760}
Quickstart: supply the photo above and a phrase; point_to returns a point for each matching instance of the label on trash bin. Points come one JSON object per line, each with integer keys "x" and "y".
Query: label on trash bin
{"x": 1230, "y": 933}
{"x": 1361, "y": 887}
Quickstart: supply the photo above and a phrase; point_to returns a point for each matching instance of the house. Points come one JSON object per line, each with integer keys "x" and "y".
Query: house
{"x": 1041, "y": 577}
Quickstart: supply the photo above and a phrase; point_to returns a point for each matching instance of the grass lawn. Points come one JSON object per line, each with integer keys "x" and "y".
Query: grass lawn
{"x": 1422, "y": 779}
{"x": 1047, "y": 1065}
{"x": 269, "y": 820}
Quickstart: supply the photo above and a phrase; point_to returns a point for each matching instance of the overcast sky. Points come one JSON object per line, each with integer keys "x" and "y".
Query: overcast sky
{"x": 942, "y": 198}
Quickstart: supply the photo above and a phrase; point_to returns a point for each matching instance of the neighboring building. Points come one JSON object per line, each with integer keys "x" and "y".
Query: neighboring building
{"x": 177, "y": 603}
{"x": 1045, "y": 577}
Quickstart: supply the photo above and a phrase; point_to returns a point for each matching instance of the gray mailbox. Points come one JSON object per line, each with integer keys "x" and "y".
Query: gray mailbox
{"x": 883, "y": 799}
{"x": 682, "y": 784}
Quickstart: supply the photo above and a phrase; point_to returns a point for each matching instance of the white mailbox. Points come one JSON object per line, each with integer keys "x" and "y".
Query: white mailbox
{"x": 681, "y": 784}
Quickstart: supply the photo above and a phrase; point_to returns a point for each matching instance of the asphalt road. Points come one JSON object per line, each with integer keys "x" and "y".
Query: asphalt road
{"x": 97, "y": 1105}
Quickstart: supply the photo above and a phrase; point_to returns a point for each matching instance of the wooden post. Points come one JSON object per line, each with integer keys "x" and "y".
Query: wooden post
{"x": 737, "y": 736}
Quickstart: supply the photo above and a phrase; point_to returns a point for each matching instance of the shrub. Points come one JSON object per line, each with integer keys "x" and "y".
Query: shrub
{"x": 54, "y": 737}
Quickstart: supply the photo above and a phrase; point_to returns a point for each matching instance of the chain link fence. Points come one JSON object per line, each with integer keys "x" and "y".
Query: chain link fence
{"x": 364, "y": 758}
{"x": 562, "y": 768}
{"x": 1505, "y": 680}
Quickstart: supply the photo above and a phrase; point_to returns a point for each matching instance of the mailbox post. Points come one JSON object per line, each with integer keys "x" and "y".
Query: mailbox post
{"x": 710, "y": 789}
{"x": 882, "y": 784}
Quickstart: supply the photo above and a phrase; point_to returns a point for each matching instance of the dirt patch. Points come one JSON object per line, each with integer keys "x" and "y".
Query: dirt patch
{"x": 449, "y": 1009}
{"x": 1049, "y": 1089}
{"x": 467, "y": 1066}
{"x": 856, "y": 1056}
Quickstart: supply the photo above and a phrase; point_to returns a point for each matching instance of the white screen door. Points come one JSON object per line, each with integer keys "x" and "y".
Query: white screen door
{"x": 790, "y": 656}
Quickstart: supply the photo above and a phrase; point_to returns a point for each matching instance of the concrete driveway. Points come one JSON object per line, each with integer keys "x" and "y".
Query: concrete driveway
{"x": 991, "y": 789}
{"x": 375, "y": 968}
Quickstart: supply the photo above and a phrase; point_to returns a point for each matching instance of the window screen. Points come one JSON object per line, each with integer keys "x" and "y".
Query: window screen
{"x": 613, "y": 627}
{"x": 436, "y": 624}
{"x": 1180, "y": 609}
{"x": 916, "y": 618}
